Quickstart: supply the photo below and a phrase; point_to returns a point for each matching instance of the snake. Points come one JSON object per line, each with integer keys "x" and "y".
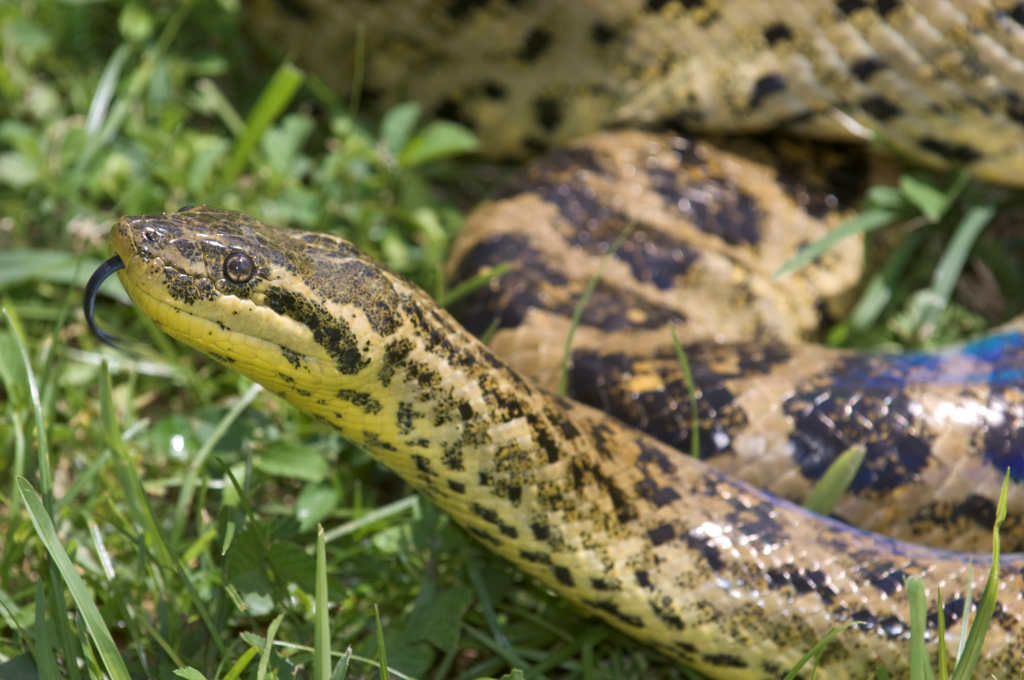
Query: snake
{"x": 592, "y": 493}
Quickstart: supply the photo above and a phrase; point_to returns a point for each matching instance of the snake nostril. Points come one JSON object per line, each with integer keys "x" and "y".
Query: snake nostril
{"x": 185, "y": 208}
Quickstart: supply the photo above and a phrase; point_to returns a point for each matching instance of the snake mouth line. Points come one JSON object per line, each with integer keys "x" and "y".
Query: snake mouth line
{"x": 92, "y": 289}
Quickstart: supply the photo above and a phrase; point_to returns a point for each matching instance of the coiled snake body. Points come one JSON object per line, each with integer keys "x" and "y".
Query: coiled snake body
{"x": 734, "y": 581}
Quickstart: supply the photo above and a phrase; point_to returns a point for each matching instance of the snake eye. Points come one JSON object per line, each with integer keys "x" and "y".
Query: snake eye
{"x": 238, "y": 268}
{"x": 185, "y": 208}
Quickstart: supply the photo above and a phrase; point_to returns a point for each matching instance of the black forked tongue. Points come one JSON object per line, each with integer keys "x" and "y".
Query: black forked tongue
{"x": 89, "y": 305}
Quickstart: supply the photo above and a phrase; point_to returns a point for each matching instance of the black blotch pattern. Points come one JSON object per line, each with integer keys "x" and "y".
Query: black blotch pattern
{"x": 613, "y": 609}
{"x": 603, "y": 381}
{"x": 956, "y": 152}
{"x": 865, "y": 68}
{"x": 725, "y": 660}
{"x": 880, "y": 107}
{"x": 534, "y": 46}
{"x": 662, "y": 534}
{"x": 564, "y": 576}
{"x": 549, "y": 112}
{"x": 330, "y": 331}
{"x": 767, "y": 85}
{"x": 777, "y": 32}
{"x": 602, "y": 34}
{"x": 802, "y": 581}
{"x": 731, "y": 214}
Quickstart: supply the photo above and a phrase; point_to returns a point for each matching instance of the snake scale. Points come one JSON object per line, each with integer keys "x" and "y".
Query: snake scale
{"x": 679, "y": 553}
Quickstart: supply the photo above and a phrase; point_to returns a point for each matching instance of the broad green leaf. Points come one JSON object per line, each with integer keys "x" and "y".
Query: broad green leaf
{"x": 292, "y": 461}
{"x": 397, "y": 125}
{"x": 439, "y": 140}
{"x": 189, "y": 673}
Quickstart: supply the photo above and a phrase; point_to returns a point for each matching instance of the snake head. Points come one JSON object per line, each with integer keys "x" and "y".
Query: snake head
{"x": 291, "y": 309}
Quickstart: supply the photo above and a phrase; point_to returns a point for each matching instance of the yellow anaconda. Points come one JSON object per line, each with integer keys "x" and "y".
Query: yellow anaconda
{"x": 706, "y": 568}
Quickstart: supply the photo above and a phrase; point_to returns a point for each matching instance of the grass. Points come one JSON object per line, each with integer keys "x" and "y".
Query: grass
{"x": 174, "y": 507}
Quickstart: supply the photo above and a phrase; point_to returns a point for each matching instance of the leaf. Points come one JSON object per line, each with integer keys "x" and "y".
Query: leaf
{"x": 189, "y": 673}
{"x": 79, "y": 592}
{"x": 439, "y": 140}
{"x": 397, "y": 125}
{"x": 292, "y": 461}
{"x": 315, "y": 502}
{"x": 925, "y": 197}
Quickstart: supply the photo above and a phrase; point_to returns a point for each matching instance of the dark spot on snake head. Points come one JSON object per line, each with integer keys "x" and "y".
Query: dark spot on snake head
{"x": 348, "y": 281}
{"x": 457, "y": 9}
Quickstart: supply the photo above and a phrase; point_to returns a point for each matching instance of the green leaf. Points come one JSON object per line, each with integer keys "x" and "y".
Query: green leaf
{"x": 79, "y": 592}
{"x": 241, "y": 664}
{"x": 341, "y": 670}
{"x": 930, "y": 200}
{"x": 397, "y": 125}
{"x": 836, "y": 481}
{"x": 439, "y": 140}
{"x": 292, "y": 461}
{"x": 17, "y": 170}
{"x": 189, "y": 673}
{"x": 314, "y": 503}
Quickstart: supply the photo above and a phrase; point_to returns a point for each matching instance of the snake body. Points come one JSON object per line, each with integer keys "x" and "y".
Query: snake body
{"x": 941, "y": 80}
{"x": 706, "y": 568}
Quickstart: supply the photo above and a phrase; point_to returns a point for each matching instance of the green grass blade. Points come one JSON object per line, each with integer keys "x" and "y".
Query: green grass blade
{"x": 954, "y": 257}
{"x": 691, "y": 388}
{"x": 273, "y": 100}
{"x": 965, "y": 624}
{"x": 920, "y": 669}
{"x": 242, "y": 663}
{"x": 581, "y": 304}
{"x": 878, "y": 292}
{"x": 42, "y": 445}
{"x": 382, "y": 656}
{"x": 341, "y": 670}
{"x": 474, "y": 282}
{"x": 112, "y": 660}
{"x": 836, "y": 481}
{"x": 943, "y": 653}
{"x": 814, "y": 651}
{"x": 44, "y": 656}
{"x": 867, "y": 221}
{"x": 989, "y": 597}
{"x": 321, "y": 622}
{"x": 268, "y": 648}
